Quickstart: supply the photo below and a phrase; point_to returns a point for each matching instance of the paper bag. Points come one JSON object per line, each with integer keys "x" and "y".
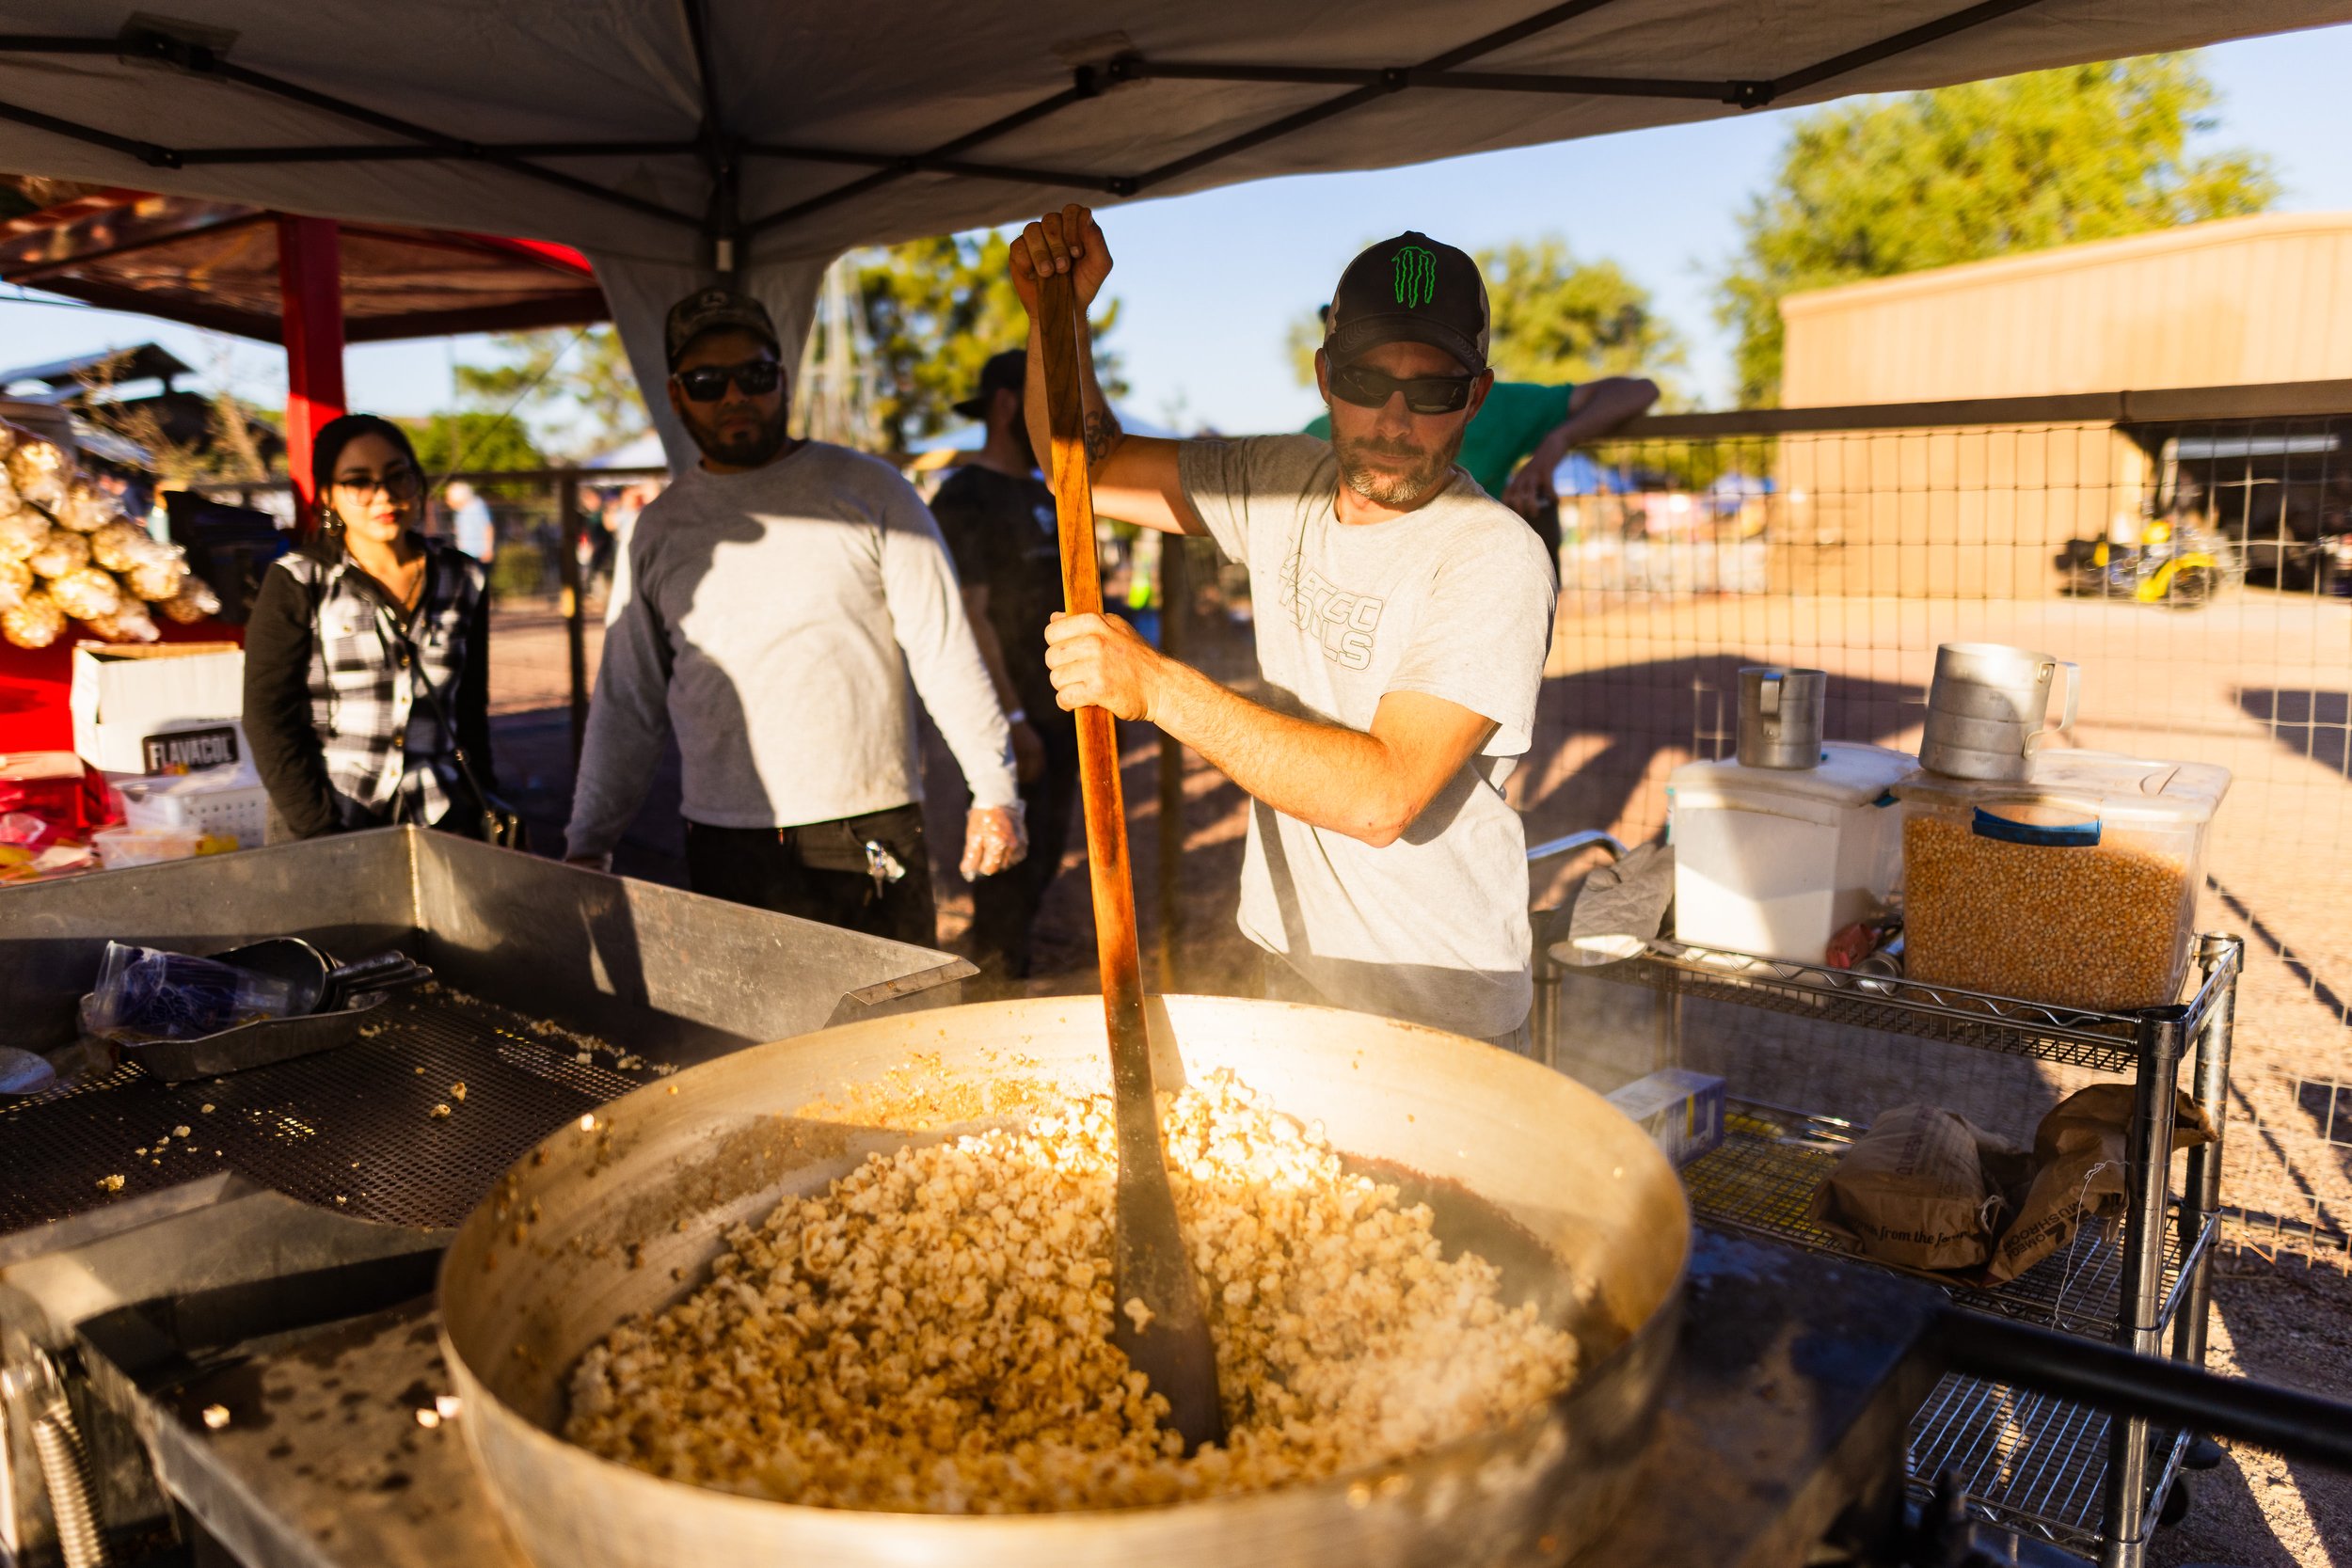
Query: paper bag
{"x": 1912, "y": 1189}
{"x": 2078, "y": 1172}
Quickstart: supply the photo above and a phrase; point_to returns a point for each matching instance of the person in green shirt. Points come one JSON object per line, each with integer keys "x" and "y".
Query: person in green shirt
{"x": 1524, "y": 430}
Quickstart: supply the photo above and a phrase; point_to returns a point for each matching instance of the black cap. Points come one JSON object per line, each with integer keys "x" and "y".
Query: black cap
{"x": 1008, "y": 370}
{"x": 1409, "y": 289}
{"x": 708, "y": 310}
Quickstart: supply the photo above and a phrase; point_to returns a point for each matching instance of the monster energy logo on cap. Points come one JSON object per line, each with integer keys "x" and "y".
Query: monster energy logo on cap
{"x": 1409, "y": 288}
{"x": 1415, "y": 275}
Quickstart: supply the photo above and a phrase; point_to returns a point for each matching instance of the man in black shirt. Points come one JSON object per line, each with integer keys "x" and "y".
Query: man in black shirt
{"x": 998, "y": 519}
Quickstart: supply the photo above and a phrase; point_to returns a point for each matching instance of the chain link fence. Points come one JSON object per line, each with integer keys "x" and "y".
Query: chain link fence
{"x": 512, "y": 521}
{"x": 2192, "y": 552}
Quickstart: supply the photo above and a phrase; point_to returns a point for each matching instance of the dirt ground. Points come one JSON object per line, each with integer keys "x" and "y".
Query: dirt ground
{"x": 1635, "y": 690}
{"x": 2291, "y": 1324}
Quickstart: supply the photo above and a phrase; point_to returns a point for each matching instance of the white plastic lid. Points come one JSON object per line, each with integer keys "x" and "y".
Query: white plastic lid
{"x": 1851, "y": 774}
{"x": 2082, "y": 786}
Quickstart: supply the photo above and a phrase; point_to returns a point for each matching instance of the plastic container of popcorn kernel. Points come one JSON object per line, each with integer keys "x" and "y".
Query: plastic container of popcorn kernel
{"x": 2076, "y": 889}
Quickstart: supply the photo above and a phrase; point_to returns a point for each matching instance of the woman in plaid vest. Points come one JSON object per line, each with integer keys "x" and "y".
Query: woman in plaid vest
{"x": 368, "y": 646}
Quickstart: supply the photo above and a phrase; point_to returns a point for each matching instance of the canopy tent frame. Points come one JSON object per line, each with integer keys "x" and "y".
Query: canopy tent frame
{"x": 722, "y": 224}
{"x": 145, "y": 241}
{"x": 505, "y": 317}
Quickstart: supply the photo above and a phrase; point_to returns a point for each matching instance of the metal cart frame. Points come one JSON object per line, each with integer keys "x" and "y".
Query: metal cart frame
{"x": 2034, "y": 1465}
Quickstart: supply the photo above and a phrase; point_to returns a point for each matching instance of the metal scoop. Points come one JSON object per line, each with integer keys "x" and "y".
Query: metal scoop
{"x": 24, "y": 1072}
{"x": 1169, "y": 1341}
{"x": 325, "y": 997}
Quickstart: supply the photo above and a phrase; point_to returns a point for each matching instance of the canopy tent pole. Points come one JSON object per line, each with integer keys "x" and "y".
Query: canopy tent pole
{"x": 310, "y": 285}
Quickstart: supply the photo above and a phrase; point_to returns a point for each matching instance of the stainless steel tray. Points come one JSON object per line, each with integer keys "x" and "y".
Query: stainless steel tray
{"x": 537, "y": 966}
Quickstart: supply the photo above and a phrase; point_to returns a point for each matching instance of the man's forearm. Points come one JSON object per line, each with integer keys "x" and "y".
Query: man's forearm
{"x": 1098, "y": 424}
{"x": 627, "y": 724}
{"x": 1601, "y": 407}
{"x": 617, "y": 765}
{"x": 943, "y": 658}
{"x": 1325, "y": 775}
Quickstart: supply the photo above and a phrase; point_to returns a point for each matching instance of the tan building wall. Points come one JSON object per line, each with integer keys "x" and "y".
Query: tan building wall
{"x": 1950, "y": 514}
{"x": 2235, "y": 302}
{"x": 1978, "y": 513}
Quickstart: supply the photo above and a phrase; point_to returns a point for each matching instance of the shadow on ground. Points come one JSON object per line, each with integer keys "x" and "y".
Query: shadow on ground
{"x": 2291, "y": 1324}
{"x": 2314, "y": 724}
{"x": 1630, "y": 718}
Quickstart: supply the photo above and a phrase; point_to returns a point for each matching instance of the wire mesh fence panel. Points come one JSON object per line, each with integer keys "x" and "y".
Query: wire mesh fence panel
{"x": 513, "y": 521}
{"x": 2199, "y": 572}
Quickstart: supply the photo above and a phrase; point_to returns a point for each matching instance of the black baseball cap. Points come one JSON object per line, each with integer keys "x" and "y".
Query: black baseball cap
{"x": 1008, "y": 370}
{"x": 1409, "y": 289}
{"x": 711, "y": 310}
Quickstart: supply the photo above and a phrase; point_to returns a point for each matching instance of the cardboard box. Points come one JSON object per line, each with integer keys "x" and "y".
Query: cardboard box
{"x": 123, "y": 694}
{"x": 1681, "y": 1111}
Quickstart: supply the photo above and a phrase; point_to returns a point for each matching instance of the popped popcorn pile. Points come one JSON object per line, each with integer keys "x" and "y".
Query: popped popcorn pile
{"x": 932, "y": 1333}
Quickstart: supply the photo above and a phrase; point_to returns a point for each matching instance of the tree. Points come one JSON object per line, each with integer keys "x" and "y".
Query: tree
{"x": 935, "y": 310}
{"x": 471, "y": 442}
{"x": 1554, "y": 319}
{"x": 1888, "y": 185}
{"x": 583, "y": 371}
{"x": 189, "y": 438}
{"x": 1558, "y": 319}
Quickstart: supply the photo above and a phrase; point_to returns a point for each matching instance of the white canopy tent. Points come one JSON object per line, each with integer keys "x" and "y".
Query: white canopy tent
{"x": 673, "y": 139}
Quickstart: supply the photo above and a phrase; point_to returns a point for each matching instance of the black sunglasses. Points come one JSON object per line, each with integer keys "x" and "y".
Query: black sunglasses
{"x": 398, "y": 482}
{"x": 757, "y": 378}
{"x": 1423, "y": 394}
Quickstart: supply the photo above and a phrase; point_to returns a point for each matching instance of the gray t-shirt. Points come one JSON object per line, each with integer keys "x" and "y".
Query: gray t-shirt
{"x": 1453, "y": 600}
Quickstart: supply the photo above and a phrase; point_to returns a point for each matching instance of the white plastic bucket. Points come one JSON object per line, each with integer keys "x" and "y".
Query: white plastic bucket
{"x": 1775, "y": 861}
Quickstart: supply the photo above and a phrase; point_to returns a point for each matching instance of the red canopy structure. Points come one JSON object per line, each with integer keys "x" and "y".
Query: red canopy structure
{"x": 309, "y": 283}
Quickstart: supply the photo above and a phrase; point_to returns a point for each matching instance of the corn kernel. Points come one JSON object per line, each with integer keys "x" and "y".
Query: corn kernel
{"x": 2097, "y": 927}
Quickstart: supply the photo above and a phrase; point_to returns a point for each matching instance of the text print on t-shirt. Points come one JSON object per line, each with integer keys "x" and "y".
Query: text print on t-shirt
{"x": 1344, "y": 622}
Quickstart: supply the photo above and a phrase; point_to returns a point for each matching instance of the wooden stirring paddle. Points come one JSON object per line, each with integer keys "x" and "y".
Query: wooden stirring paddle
{"x": 1170, "y": 1345}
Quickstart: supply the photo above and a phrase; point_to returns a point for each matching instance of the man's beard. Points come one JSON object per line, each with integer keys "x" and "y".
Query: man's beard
{"x": 1384, "y": 487}
{"x": 742, "y": 449}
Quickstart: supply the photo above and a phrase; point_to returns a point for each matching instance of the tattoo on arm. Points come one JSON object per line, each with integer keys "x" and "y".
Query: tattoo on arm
{"x": 1102, "y": 434}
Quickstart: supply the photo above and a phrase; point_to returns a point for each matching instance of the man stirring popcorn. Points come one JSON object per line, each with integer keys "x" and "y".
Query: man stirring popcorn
{"x": 1402, "y": 620}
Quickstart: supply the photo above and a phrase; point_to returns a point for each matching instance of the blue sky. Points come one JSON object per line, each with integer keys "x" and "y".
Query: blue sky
{"x": 1661, "y": 203}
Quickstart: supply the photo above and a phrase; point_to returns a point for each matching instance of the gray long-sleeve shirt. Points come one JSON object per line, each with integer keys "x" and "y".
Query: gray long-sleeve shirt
{"x": 772, "y": 620}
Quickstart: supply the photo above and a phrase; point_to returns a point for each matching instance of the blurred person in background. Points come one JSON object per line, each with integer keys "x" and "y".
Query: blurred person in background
{"x": 778, "y": 597}
{"x": 620, "y": 520}
{"x": 367, "y": 674}
{"x": 998, "y": 519}
{"x": 470, "y": 524}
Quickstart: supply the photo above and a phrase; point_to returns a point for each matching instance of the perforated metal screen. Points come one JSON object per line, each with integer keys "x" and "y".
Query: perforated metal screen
{"x": 351, "y": 1129}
